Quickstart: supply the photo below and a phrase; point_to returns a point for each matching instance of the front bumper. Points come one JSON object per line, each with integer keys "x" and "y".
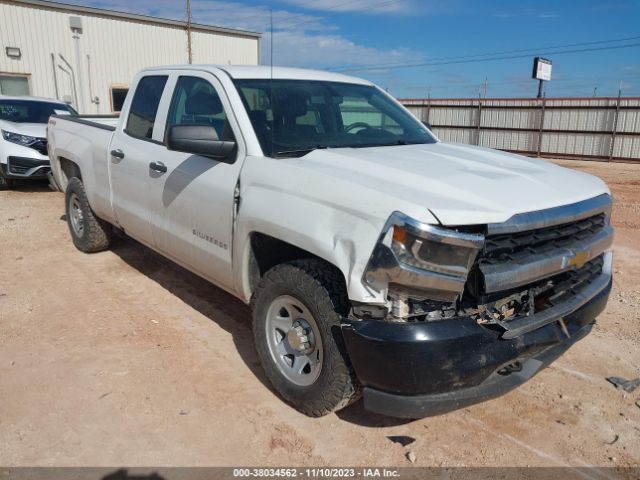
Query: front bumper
{"x": 25, "y": 168}
{"x": 416, "y": 370}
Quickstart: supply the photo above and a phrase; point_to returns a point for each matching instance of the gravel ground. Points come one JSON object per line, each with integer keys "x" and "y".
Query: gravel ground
{"x": 123, "y": 358}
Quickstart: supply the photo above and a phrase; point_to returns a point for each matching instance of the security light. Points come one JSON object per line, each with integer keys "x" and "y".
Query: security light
{"x": 13, "y": 52}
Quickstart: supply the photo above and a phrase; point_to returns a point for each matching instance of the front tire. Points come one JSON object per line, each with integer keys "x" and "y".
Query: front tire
{"x": 297, "y": 309}
{"x": 89, "y": 233}
{"x": 5, "y": 183}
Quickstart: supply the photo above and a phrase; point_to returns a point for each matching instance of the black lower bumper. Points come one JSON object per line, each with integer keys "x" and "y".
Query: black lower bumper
{"x": 422, "y": 369}
{"x": 22, "y": 168}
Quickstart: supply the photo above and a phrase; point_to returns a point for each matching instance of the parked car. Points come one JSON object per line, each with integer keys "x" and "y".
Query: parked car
{"x": 23, "y": 143}
{"x": 377, "y": 260}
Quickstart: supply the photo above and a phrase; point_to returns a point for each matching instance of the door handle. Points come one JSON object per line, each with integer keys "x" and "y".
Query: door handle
{"x": 158, "y": 166}
{"x": 117, "y": 153}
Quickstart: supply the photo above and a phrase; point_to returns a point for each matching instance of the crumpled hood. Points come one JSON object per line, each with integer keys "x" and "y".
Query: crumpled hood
{"x": 32, "y": 129}
{"x": 459, "y": 184}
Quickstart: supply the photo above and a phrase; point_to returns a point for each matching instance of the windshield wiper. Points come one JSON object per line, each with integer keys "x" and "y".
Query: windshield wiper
{"x": 299, "y": 152}
{"x": 389, "y": 144}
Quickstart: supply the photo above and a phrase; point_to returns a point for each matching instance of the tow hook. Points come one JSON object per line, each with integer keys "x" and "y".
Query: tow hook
{"x": 511, "y": 368}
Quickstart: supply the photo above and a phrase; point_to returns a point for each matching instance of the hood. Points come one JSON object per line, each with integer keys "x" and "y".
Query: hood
{"x": 31, "y": 129}
{"x": 458, "y": 184}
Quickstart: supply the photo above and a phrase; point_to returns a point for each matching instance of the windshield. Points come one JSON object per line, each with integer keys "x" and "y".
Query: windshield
{"x": 31, "y": 111}
{"x": 301, "y": 115}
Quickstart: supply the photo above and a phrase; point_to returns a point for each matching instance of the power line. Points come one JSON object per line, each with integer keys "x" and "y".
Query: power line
{"x": 541, "y": 50}
{"x": 478, "y": 60}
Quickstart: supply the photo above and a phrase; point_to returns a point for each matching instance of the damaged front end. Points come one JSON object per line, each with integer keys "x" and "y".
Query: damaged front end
{"x": 498, "y": 296}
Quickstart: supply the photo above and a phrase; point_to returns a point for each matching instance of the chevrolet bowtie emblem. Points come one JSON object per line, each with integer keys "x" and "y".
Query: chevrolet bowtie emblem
{"x": 579, "y": 259}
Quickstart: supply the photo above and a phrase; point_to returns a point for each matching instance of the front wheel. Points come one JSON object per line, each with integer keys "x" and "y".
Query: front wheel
{"x": 296, "y": 326}
{"x": 5, "y": 183}
{"x": 88, "y": 232}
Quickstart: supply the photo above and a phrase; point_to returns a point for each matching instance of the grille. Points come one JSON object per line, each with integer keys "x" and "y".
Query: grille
{"x": 569, "y": 283}
{"x": 20, "y": 165}
{"x": 517, "y": 246}
{"x": 18, "y": 169}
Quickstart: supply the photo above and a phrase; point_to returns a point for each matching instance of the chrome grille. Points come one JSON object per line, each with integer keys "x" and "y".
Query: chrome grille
{"x": 516, "y": 246}
{"x": 569, "y": 283}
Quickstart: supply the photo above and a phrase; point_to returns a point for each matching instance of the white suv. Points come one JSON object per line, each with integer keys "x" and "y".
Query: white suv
{"x": 23, "y": 131}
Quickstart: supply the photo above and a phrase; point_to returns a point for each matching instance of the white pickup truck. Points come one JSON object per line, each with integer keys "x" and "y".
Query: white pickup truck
{"x": 378, "y": 261}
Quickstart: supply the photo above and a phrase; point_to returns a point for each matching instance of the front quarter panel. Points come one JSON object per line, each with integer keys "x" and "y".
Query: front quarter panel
{"x": 337, "y": 221}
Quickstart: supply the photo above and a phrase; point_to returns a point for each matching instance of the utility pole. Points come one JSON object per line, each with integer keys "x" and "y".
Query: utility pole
{"x": 485, "y": 87}
{"x": 189, "y": 51}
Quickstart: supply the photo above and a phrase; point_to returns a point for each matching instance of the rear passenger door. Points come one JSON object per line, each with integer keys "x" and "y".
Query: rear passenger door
{"x": 137, "y": 142}
{"x": 193, "y": 198}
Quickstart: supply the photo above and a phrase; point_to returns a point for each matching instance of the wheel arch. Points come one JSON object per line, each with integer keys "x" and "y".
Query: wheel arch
{"x": 264, "y": 252}
{"x": 67, "y": 170}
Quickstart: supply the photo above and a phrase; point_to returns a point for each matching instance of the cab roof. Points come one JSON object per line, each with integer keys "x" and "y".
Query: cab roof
{"x": 266, "y": 72}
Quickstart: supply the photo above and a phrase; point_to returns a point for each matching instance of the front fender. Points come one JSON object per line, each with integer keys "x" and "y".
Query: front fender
{"x": 337, "y": 223}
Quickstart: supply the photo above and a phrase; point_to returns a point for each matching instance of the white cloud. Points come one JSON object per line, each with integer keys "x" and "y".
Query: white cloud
{"x": 300, "y": 40}
{"x": 361, "y": 6}
{"x": 324, "y": 51}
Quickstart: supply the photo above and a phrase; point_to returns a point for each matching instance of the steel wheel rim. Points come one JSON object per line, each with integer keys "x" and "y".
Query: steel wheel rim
{"x": 299, "y": 361}
{"x": 75, "y": 215}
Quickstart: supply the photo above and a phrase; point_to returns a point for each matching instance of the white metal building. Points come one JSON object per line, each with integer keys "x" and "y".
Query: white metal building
{"x": 87, "y": 56}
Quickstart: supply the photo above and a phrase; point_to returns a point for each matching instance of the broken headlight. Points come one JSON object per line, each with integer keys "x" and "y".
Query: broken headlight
{"x": 422, "y": 260}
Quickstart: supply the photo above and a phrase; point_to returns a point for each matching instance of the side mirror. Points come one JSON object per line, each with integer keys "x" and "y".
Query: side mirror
{"x": 199, "y": 140}
{"x": 427, "y": 124}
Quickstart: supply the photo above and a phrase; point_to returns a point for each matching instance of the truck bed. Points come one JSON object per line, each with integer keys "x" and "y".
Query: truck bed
{"x": 106, "y": 122}
{"x": 83, "y": 141}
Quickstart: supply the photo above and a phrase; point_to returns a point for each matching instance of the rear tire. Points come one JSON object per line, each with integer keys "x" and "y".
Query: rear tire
{"x": 306, "y": 364}
{"x": 89, "y": 233}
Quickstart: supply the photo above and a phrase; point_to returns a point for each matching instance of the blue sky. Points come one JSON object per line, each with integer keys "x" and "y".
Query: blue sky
{"x": 371, "y": 38}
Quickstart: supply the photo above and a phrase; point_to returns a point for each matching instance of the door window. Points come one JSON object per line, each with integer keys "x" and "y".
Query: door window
{"x": 144, "y": 106}
{"x": 196, "y": 102}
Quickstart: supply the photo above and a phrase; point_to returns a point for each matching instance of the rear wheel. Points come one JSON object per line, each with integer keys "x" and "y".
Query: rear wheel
{"x": 296, "y": 325}
{"x": 88, "y": 232}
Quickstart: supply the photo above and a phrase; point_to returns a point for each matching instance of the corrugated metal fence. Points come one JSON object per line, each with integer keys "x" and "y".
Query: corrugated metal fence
{"x": 597, "y": 128}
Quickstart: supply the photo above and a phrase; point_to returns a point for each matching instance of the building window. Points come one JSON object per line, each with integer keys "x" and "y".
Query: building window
{"x": 118, "y": 94}
{"x": 14, "y": 84}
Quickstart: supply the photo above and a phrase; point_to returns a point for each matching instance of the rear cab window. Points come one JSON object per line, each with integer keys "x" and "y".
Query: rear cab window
{"x": 144, "y": 106}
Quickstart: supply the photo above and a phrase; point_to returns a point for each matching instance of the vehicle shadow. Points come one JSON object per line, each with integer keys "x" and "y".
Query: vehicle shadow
{"x": 225, "y": 310}
{"x": 212, "y": 302}
{"x": 357, "y": 415}
{"x": 123, "y": 474}
{"x": 32, "y": 186}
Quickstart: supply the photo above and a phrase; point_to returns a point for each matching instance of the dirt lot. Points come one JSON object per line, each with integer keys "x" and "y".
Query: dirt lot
{"x": 122, "y": 358}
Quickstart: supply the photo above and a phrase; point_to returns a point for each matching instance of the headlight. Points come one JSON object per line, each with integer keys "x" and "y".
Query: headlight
{"x": 431, "y": 262}
{"x": 24, "y": 140}
{"x": 435, "y": 249}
